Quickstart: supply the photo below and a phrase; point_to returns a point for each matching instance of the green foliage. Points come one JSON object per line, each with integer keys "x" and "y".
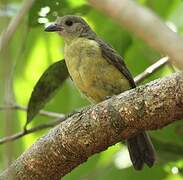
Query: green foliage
{"x": 57, "y": 8}
{"x": 47, "y": 85}
{"x": 162, "y": 8}
{"x": 31, "y": 51}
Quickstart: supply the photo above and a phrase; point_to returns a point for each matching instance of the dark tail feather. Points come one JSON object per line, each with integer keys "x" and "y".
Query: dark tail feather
{"x": 147, "y": 149}
{"x": 141, "y": 151}
{"x": 135, "y": 154}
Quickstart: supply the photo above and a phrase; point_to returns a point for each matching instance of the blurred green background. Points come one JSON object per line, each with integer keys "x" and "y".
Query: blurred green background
{"x": 31, "y": 51}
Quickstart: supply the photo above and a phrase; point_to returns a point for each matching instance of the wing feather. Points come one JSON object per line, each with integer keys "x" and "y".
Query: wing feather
{"x": 115, "y": 59}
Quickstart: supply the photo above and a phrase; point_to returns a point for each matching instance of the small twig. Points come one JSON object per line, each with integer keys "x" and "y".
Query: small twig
{"x": 151, "y": 69}
{"x": 7, "y": 34}
{"x": 31, "y": 130}
{"x": 43, "y": 113}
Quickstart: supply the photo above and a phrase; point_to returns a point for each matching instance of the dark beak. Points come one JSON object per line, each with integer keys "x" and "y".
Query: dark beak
{"x": 53, "y": 28}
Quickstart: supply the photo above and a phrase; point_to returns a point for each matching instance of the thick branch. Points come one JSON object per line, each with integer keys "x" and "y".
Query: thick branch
{"x": 146, "y": 25}
{"x": 61, "y": 117}
{"x": 72, "y": 142}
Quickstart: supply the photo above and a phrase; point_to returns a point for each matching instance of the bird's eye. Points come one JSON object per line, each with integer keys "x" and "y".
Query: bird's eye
{"x": 68, "y": 23}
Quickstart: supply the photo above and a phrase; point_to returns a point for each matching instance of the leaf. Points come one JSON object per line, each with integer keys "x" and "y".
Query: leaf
{"x": 49, "y": 82}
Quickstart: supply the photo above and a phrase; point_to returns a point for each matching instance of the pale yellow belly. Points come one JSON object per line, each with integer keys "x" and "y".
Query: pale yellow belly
{"x": 92, "y": 74}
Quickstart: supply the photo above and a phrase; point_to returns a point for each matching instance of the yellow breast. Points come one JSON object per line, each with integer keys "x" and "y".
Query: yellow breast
{"x": 91, "y": 73}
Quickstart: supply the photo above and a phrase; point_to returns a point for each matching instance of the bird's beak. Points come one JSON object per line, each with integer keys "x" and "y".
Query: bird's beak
{"x": 53, "y": 28}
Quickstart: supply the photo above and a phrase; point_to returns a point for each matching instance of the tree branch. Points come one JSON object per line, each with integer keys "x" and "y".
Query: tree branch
{"x": 151, "y": 69}
{"x": 42, "y": 113}
{"x": 7, "y": 34}
{"x": 20, "y": 134}
{"x": 61, "y": 117}
{"x": 148, "y": 107}
{"x": 146, "y": 25}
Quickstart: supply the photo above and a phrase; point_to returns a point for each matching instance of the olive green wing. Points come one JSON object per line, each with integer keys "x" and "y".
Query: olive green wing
{"x": 115, "y": 59}
{"x": 50, "y": 81}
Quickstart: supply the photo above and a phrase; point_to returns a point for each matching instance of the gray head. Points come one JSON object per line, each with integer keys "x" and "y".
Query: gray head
{"x": 71, "y": 27}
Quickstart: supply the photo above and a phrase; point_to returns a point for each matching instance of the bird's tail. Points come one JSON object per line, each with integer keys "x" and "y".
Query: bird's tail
{"x": 141, "y": 151}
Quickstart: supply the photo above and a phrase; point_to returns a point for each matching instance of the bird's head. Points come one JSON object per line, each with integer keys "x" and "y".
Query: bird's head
{"x": 70, "y": 27}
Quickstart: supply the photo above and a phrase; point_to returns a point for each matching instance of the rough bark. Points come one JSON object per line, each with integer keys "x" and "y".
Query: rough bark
{"x": 148, "y": 107}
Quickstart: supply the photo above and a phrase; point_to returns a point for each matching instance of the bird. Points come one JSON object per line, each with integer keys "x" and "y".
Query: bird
{"x": 98, "y": 71}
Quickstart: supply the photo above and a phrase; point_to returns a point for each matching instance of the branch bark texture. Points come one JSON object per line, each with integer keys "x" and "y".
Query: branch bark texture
{"x": 148, "y": 107}
{"x": 144, "y": 23}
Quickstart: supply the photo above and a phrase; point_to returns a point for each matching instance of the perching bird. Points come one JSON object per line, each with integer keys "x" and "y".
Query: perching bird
{"x": 99, "y": 72}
